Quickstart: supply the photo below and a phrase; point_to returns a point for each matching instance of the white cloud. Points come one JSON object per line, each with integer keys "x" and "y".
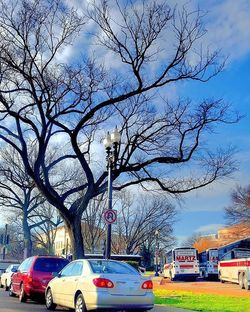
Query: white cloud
{"x": 209, "y": 228}
{"x": 229, "y": 27}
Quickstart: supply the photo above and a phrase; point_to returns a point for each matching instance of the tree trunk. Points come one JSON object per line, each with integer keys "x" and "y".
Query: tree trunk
{"x": 75, "y": 234}
{"x": 27, "y": 252}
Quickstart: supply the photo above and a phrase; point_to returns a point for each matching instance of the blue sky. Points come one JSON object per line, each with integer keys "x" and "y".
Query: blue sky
{"x": 228, "y": 26}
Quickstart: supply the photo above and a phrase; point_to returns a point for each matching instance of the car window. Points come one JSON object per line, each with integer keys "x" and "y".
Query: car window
{"x": 14, "y": 268}
{"x": 50, "y": 264}
{"x": 26, "y": 264}
{"x": 73, "y": 269}
{"x": 77, "y": 269}
{"x": 68, "y": 270}
{"x": 112, "y": 267}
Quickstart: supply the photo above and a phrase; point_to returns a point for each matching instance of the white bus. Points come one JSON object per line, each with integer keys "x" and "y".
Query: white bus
{"x": 182, "y": 264}
{"x": 234, "y": 263}
{"x": 208, "y": 260}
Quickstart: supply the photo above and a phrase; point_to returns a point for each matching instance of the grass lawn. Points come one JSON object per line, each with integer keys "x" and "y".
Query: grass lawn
{"x": 201, "y": 302}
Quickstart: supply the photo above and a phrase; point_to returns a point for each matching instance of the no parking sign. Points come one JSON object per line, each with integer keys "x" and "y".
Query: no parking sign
{"x": 110, "y": 216}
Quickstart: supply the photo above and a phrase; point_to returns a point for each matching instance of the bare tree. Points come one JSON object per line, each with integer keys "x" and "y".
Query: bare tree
{"x": 239, "y": 210}
{"x": 46, "y": 221}
{"x": 14, "y": 247}
{"x": 95, "y": 228}
{"x": 19, "y": 196}
{"x": 46, "y": 102}
{"x": 138, "y": 219}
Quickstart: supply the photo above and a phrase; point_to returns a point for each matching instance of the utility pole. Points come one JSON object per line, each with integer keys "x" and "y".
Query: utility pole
{"x": 5, "y": 240}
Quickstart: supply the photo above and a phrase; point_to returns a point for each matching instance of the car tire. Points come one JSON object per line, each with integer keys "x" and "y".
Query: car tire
{"x": 241, "y": 282}
{"x": 22, "y": 296}
{"x": 11, "y": 294}
{"x": 50, "y": 305}
{"x": 245, "y": 282}
{"x": 6, "y": 288}
{"x": 80, "y": 304}
{"x": 220, "y": 278}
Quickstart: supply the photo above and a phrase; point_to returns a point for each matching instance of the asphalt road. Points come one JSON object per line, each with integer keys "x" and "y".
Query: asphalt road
{"x": 11, "y": 304}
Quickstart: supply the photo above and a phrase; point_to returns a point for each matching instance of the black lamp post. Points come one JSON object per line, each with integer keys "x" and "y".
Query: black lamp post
{"x": 156, "y": 252}
{"x": 111, "y": 143}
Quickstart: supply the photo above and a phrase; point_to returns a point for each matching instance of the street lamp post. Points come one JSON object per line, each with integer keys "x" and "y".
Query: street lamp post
{"x": 111, "y": 143}
{"x": 156, "y": 252}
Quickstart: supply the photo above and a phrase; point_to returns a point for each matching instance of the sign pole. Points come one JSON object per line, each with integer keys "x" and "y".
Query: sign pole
{"x": 108, "y": 240}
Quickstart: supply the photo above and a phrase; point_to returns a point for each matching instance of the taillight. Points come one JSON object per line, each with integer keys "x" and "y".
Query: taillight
{"x": 147, "y": 285}
{"x": 29, "y": 278}
{"x": 103, "y": 282}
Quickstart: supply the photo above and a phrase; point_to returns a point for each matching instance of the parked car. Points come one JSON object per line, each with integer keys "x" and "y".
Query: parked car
{"x": 90, "y": 284}
{"x": 6, "y": 276}
{"x": 33, "y": 275}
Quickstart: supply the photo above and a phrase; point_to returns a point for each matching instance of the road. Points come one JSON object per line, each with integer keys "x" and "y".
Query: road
{"x": 11, "y": 304}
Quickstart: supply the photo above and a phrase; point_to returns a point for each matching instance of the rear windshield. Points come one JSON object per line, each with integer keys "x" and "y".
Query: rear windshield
{"x": 113, "y": 267}
{"x": 50, "y": 264}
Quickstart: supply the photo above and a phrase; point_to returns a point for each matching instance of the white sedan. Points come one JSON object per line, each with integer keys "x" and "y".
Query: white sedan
{"x": 90, "y": 284}
{"x": 6, "y": 276}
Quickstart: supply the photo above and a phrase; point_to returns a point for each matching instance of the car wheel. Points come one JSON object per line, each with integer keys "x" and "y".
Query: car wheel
{"x": 1, "y": 285}
{"x": 80, "y": 304}
{"x": 11, "y": 294}
{"x": 245, "y": 282}
{"x": 241, "y": 283}
{"x": 50, "y": 305}
{"x": 6, "y": 287}
{"x": 22, "y": 295}
{"x": 220, "y": 278}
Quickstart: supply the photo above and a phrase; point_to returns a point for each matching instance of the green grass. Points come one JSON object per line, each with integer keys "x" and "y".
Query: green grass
{"x": 149, "y": 273}
{"x": 201, "y": 302}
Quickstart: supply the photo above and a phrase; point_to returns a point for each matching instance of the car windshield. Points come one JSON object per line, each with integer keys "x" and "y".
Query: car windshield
{"x": 50, "y": 264}
{"x": 112, "y": 267}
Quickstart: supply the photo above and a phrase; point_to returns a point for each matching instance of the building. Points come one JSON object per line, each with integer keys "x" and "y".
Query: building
{"x": 223, "y": 237}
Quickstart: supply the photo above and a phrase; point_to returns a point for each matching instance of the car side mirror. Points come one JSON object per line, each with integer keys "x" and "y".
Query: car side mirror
{"x": 14, "y": 270}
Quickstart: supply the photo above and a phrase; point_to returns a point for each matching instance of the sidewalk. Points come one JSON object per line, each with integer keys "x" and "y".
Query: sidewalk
{"x": 161, "y": 308}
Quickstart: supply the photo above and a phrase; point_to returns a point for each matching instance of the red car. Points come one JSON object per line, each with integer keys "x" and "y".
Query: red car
{"x": 33, "y": 275}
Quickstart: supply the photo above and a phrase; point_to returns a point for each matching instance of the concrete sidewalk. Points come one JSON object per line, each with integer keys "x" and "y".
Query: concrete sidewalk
{"x": 161, "y": 308}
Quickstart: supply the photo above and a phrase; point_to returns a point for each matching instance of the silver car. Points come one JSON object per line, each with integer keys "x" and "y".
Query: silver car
{"x": 90, "y": 284}
{"x": 5, "y": 279}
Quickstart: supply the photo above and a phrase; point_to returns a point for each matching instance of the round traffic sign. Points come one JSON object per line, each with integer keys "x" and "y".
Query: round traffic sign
{"x": 110, "y": 216}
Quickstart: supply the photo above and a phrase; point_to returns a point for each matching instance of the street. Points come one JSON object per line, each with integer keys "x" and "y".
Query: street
{"x": 11, "y": 304}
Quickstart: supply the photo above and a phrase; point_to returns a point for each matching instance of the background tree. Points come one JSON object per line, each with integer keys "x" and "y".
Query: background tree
{"x": 95, "y": 228}
{"x": 138, "y": 219}
{"x": 14, "y": 248}
{"x": 19, "y": 196}
{"x": 46, "y": 221}
{"x": 239, "y": 210}
{"x": 47, "y": 102}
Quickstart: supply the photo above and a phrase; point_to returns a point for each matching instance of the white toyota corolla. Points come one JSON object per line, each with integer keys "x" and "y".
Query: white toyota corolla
{"x": 90, "y": 284}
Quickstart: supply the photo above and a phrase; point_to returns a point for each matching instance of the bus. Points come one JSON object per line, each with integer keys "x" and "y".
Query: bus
{"x": 181, "y": 264}
{"x": 234, "y": 263}
{"x": 208, "y": 260}
{"x": 241, "y": 243}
